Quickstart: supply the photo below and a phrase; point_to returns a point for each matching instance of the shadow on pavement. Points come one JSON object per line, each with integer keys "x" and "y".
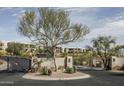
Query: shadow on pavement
{"x": 117, "y": 74}
{"x": 4, "y": 71}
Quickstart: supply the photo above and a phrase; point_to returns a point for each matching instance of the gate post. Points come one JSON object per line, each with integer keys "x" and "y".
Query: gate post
{"x": 8, "y": 63}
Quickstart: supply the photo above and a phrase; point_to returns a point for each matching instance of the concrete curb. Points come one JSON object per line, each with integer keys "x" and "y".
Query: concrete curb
{"x": 84, "y": 76}
{"x": 116, "y": 72}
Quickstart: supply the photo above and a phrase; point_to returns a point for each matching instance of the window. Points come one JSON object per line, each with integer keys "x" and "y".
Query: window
{"x": 69, "y": 60}
{"x": 113, "y": 59}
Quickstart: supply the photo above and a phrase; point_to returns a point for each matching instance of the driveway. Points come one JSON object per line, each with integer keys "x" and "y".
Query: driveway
{"x": 98, "y": 78}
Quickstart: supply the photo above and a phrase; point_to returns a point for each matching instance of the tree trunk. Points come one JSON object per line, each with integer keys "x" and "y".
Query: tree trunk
{"x": 106, "y": 60}
{"x": 102, "y": 58}
{"x": 54, "y": 60}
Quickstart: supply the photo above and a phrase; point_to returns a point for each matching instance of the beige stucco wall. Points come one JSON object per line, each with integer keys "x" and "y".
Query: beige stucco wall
{"x": 50, "y": 63}
{"x": 59, "y": 62}
{"x": 119, "y": 61}
{"x": 69, "y": 61}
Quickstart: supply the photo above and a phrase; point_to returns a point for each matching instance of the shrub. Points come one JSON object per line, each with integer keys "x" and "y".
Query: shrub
{"x": 69, "y": 70}
{"x": 46, "y": 71}
{"x": 25, "y": 54}
{"x": 75, "y": 69}
{"x": 3, "y": 53}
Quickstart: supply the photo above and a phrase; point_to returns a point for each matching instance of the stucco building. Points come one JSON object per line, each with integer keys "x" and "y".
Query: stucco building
{"x": 73, "y": 50}
{"x": 117, "y": 61}
{"x": 3, "y": 45}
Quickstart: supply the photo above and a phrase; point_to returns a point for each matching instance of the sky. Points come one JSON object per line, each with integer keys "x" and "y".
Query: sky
{"x": 101, "y": 21}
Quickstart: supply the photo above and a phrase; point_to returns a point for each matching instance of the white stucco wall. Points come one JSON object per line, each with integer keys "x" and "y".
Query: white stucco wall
{"x": 117, "y": 61}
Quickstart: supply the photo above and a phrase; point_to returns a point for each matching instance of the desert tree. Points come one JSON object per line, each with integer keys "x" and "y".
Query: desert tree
{"x": 50, "y": 27}
{"x": 103, "y": 44}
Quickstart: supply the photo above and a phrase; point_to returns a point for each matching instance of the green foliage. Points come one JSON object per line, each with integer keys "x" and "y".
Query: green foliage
{"x": 25, "y": 54}
{"x": 103, "y": 43}
{"x": 46, "y": 71}
{"x": 3, "y": 53}
{"x": 70, "y": 70}
{"x": 79, "y": 59}
{"x": 75, "y": 69}
{"x": 19, "y": 49}
{"x": 14, "y": 48}
{"x": 116, "y": 51}
{"x": 43, "y": 70}
{"x": 39, "y": 50}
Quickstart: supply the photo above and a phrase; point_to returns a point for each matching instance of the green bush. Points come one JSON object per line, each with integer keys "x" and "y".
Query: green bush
{"x": 69, "y": 70}
{"x": 3, "y": 53}
{"x": 46, "y": 71}
{"x": 25, "y": 54}
{"x": 76, "y": 61}
{"x": 75, "y": 69}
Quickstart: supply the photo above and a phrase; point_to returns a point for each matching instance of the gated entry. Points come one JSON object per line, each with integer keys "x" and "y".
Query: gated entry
{"x": 17, "y": 63}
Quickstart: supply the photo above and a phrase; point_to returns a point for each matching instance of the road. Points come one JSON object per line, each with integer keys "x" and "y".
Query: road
{"x": 98, "y": 78}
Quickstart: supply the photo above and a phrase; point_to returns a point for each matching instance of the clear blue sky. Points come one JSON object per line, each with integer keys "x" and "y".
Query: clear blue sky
{"x": 101, "y": 21}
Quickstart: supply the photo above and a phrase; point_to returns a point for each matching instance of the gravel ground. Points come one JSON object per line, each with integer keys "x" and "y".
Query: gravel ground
{"x": 56, "y": 76}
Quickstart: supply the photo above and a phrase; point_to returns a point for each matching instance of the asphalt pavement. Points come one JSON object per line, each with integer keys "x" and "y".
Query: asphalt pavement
{"x": 98, "y": 78}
